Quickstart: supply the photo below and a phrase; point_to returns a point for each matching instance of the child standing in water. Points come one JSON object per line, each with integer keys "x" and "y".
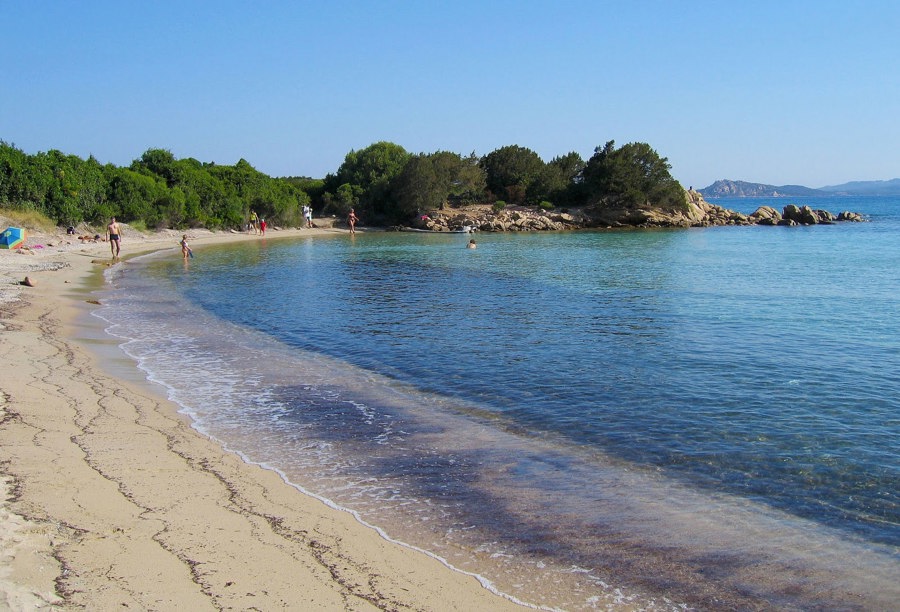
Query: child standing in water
{"x": 185, "y": 249}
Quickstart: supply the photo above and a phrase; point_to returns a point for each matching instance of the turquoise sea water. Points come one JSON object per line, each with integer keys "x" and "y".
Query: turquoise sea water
{"x": 705, "y": 418}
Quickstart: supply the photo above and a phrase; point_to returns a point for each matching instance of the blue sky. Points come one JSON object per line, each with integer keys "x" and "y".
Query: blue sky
{"x": 772, "y": 92}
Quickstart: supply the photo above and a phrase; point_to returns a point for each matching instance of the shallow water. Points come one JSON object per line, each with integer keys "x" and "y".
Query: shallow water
{"x": 703, "y": 417}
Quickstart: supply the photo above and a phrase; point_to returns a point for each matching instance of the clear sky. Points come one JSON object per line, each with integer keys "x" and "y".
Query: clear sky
{"x": 787, "y": 92}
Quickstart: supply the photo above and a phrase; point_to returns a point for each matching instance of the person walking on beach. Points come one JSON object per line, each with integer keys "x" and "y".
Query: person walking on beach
{"x": 307, "y": 215}
{"x": 254, "y": 220}
{"x": 352, "y": 220}
{"x": 185, "y": 249}
{"x": 114, "y": 235}
{"x": 262, "y": 227}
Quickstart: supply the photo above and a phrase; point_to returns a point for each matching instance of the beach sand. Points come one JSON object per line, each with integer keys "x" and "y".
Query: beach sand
{"x": 112, "y": 501}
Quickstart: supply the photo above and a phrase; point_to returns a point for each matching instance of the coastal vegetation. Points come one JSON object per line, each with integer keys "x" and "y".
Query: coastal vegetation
{"x": 385, "y": 184}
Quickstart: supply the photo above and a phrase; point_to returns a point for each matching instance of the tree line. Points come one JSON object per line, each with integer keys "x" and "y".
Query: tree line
{"x": 384, "y": 183}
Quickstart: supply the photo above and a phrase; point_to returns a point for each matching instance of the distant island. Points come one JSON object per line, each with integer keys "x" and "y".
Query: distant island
{"x": 742, "y": 189}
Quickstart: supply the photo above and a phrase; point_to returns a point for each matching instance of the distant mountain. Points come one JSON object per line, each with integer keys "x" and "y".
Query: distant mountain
{"x": 891, "y": 187}
{"x": 743, "y": 189}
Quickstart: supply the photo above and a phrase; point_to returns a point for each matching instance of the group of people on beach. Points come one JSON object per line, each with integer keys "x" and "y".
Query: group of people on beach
{"x": 114, "y": 232}
{"x": 256, "y": 225}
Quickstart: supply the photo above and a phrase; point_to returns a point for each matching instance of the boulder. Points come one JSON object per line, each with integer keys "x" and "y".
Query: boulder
{"x": 808, "y": 216}
{"x": 791, "y": 212}
{"x": 765, "y": 215}
{"x": 846, "y": 215}
{"x": 824, "y": 216}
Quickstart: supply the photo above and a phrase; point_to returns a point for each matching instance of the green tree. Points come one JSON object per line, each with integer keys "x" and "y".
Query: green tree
{"x": 76, "y": 190}
{"x": 25, "y": 180}
{"x": 431, "y": 181}
{"x": 633, "y": 175}
{"x": 204, "y": 195}
{"x": 135, "y": 195}
{"x": 346, "y": 198}
{"x": 417, "y": 188}
{"x": 93, "y": 200}
{"x": 369, "y": 173}
{"x": 558, "y": 181}
{"x": 510, "y": 171}
{"x": 463, "y": 177}
{"x": 171, "y": 209}
{"x": 160, "y": 162}
{"x": 313, "y": 188}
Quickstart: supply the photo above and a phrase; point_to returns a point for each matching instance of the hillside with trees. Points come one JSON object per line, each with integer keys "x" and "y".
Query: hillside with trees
{"x": 385, "y": 184}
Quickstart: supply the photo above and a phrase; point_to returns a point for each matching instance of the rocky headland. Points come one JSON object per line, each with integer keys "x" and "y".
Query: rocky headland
{"x": 696, "y": 212}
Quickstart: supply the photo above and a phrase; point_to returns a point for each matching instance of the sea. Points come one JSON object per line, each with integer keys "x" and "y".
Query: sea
{"x": 670, "y": 419}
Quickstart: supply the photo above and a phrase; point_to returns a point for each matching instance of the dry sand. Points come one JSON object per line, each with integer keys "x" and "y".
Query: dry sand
{"x": 112, "y": 501}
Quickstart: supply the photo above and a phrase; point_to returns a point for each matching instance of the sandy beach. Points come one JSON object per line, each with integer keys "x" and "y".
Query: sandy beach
{"x": 112, "y": 501}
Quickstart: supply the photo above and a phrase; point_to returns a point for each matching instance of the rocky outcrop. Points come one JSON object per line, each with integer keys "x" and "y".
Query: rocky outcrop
{"x": 696, "y": 212}
{"x": 508, "y": 220}
{"x": 805, "y": 215}
{"x": 850, "y": 216}
{"x": 765, "y": 215}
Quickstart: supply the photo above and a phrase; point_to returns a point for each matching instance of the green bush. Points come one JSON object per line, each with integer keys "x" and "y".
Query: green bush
{"x": 545, "y": 205}
{"x": 498, "y": 206}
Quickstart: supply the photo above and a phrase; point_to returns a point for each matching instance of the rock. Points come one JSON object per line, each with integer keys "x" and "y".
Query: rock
{"x": 765, "y": 215}
{"x": 850, "y": 216}
{"x": 824, "y": 216}
{"x": 808, "y": 216}
{"x": 791, "y": 212}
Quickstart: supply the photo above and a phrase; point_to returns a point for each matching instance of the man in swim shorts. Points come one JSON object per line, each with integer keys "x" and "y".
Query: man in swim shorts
{"x": 114, "y": 236}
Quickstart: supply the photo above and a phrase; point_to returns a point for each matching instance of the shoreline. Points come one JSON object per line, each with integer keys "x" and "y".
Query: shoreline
{"x": 112, "y": 498}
